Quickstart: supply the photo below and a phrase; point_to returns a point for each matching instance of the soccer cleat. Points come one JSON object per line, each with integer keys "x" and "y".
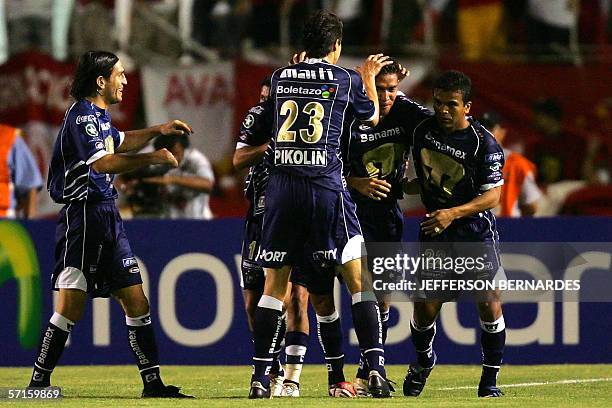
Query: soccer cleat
{"x": 290, "y": 389}
{"x": 361, "y": 387}
{"x": 378, "y": 385}
{"x": 415, "y": 380}
{"x": 342, "y": 389}
{"x": 164, "y": 391}
{"x": 276, "y": 385}
{"x": 258, "y": 391}
{"x": 489, "y": 392}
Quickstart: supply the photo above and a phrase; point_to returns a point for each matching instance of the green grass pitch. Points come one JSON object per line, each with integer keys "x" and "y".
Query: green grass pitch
{"x": 215, "y": 386}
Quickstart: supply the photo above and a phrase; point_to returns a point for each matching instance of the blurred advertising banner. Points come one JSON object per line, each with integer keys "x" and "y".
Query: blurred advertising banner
{"x": 201, "y": 95}
{"x": 34, "y": 96}
{"x": 191, "y": 276}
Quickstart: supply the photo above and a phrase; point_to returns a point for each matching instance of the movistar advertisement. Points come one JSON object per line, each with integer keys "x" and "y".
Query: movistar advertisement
{"x": 191, "y": 276}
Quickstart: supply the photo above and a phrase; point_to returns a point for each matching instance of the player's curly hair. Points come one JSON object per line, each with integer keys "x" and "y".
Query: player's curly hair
{"x": 91, "y": 65}
{"x": 393, "y": 68}
{"x": 456, "y": 81}
{"x": 321, "y": 31}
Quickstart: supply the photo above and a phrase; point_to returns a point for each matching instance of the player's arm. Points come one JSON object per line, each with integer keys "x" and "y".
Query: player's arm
{"x": 123, "y": 163}
{"x": 368, "y": 71}
{"x": 373, "y": 188}
{"x": 246, "y": 156}
{"x": 192, "y": 182}
{"x": 439, "y": 220}
{"x": 137, "y": 139}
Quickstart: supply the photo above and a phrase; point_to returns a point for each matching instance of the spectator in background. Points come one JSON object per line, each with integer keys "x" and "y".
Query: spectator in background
{"x": 550, "y": 150}
{"x": 478, "y": 25}
{"x": 35, "y": 24}
{"x": 549, "y": 26}
{"x": 520, "y": 193}
{"x": 20, "y": 178}
{"x": 221, "y": 24}
{"x": 187, "y": 188}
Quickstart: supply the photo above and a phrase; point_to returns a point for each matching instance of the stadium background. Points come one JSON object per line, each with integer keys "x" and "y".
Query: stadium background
{"x": 192, "y": 265}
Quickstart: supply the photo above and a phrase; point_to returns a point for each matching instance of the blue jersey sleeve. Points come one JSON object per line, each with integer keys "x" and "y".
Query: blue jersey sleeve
{"x": 256, "y": 128}
{"x": 362, "y": 106}
{"x": 87, "y": 139}
{"x": 491, "y": 161}
{"x": 26, "y": 173}
{"x": 118, "y": 136}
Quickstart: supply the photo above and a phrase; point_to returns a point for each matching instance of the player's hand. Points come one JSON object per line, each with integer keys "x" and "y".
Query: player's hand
{"x": 438, "y": 221}
{"x": 403, "y": 73}
{"x": 372, "y": 65}
{"x": 164, "y": 156}
{"x": 372, "y": 188}
{"x": 175, "y": 128}
{"x": 297, "y": 58}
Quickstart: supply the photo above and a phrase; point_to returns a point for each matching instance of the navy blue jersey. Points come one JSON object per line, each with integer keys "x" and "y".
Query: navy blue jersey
{"x": 256, "y": 130}
{"x": 454, "y": 169}
{"x": 85, "y": 136}
{"x": 381, "y": 152}
{"x": 312, "y": 102}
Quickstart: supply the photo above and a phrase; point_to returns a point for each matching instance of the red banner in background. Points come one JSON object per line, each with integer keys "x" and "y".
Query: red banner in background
{"x": 34, "y": 96}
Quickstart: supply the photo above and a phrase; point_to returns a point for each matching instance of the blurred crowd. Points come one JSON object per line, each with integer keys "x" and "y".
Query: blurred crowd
{"x": 551, "y": 169}
{"x": 203, "y": 29}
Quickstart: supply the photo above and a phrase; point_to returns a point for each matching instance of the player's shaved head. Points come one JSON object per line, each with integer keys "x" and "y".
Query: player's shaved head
{"x": 321, "y": 32}
{"x": 91, "y": 65}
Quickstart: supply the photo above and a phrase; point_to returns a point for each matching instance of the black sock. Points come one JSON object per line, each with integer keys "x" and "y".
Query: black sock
{"x": 266, "y": 332}
{"x": 51, "y": 346}
{"x": 330, "y": 338}
{"x": 492, "y": 340}
{"x": 366, "y": 320}
{"x": 422, "y": 338}
{"x": 277, "y": 367}
{"x": 141, "y": 339}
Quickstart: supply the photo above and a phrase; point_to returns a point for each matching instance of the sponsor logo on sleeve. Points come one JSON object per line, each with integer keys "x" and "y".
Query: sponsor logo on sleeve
{"x": 494, "y": 157}
{"x": 85, "y": 118}
{"x": 129, "y": 262}
{"x": 248, "y": 121}
{"x": 91, "y": 130}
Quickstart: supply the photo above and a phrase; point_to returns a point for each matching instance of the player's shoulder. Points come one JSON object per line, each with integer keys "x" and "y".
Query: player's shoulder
{"x": 482, "y": 133}
{"x": 520, "y": 161}
{"x": 81, "y": 112}
{"x": 196, "y": 156}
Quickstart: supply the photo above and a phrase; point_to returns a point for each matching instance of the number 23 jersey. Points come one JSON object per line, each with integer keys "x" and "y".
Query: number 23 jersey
{"x": 454, "y": 169}
{"x": 313, "y": 102}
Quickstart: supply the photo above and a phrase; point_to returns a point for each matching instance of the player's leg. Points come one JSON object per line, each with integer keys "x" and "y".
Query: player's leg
{"x": 72, "y": 258}
{"x": 296, "y": 338}
{"x": 266, "y": 328}
{"x": 492, "y": 341}
{"x": 67, "y": 312}
{"x": 283, "y": 224}
{"x": 330, "y": 338}
{"x": 364, "y": 308}
{"x": 423, "y": 330}
{"x": 141, "y": 338}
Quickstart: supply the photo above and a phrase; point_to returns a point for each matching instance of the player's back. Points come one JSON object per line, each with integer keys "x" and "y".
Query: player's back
{"x": 312, "y": 102}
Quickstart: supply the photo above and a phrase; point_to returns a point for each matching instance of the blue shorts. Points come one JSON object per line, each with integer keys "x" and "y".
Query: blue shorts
{"x": 381, "y": 223}
{"x": 252, "y": 275}
{"x": 474, "y": 238}
{"x": 92, "y": 252}
{"x": 300, "y": 214}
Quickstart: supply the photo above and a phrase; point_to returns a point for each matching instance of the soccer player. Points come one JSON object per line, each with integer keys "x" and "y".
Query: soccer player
{"x": 459, "y": 172}
{"x": 93, "y": 256}
{"x": 376, "y": 164}
{"x": 254, "y": 139}
{"x": 307, "y": 205}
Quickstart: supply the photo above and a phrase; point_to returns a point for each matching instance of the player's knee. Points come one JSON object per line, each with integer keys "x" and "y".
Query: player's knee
{"x": 323, "y": 304}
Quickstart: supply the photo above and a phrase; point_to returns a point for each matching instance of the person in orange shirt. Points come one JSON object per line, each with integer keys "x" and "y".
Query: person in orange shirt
{"x": 520, "y": 193}
{"x": 20, "y": 178}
